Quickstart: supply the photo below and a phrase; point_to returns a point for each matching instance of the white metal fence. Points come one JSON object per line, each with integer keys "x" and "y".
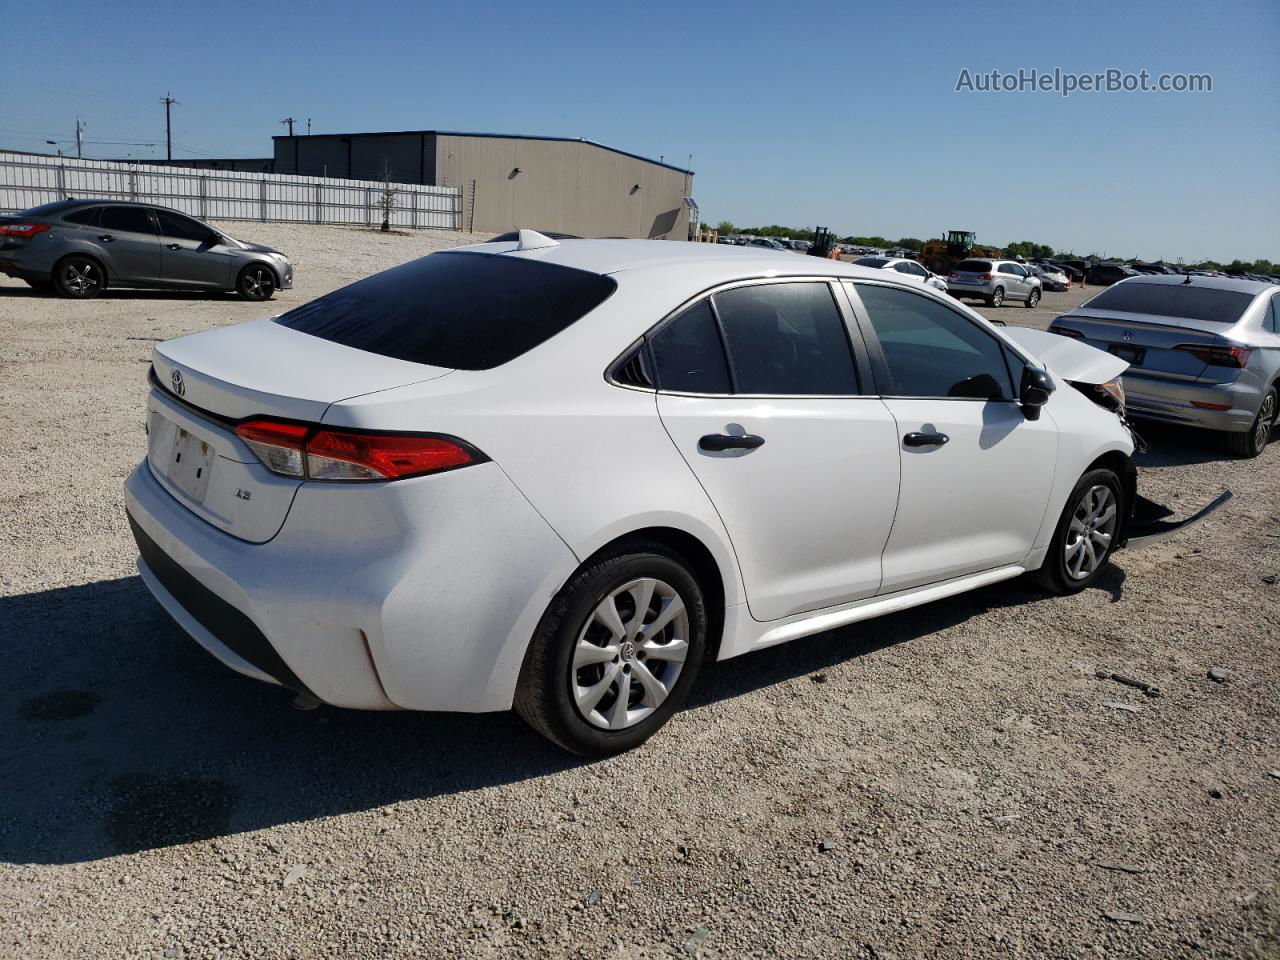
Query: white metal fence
{"x": 26, "y": 181}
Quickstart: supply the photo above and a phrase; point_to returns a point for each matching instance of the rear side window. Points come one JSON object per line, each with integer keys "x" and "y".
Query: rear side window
{"x": 1185, "y": 300}
{"x": 973, "y": 266}
{"x": 689, "y": 355}
{"x": 86, "y": 217}
{"x": 932, "y": 351}
{"x": 1273, "y": 318}
{"x": 127, "y": 220}
{"x": 466, "y": 311}
{"x": 786, "y": 339}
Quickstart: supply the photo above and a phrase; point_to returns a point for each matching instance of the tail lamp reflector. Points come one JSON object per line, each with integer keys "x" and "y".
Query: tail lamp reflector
{"x": 1237, "y": 357}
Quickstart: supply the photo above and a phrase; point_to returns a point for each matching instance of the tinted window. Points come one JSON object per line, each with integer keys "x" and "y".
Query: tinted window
{"x": 46, "y": 209}
{"x": 86, "y": 217}
{"x": 688, "y": 354}
{"x": 973, "y": 266}
{"x": 786, "y": 339}
{"x": 870, "y": 262}
{"x": 1174, "y": 300}
{"x": 931, "y": 350}
{"x": 127, "y": 219}
{"x": 469, "y": 311}
{"x": 182, "y": 228}
{"x": 1273, "y": 320}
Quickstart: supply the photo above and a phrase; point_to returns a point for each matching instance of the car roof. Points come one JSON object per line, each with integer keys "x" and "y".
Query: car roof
{"x": 1238, "y": 284}
{"x": 717, "y": 261}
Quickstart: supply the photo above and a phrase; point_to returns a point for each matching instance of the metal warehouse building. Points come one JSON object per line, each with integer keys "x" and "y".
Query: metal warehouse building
{"x": 546, "y": 183}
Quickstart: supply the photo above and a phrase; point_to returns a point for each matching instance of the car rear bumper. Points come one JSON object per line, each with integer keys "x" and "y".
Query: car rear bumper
{"x": 1174, "y": 402}
{"x": 418, "y": 595}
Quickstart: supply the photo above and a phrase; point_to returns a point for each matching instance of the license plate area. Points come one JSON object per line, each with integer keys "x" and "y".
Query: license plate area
{"x": 184, "y": 459}
{"x": 1132, "y": 355}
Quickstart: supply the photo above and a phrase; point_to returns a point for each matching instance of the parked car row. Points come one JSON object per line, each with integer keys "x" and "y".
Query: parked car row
{"x": 78, "y": 248}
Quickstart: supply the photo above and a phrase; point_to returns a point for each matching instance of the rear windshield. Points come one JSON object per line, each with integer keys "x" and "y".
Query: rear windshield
{"x": 973, "y": 266}
{"x": 467, "y": 311}
{"x": 47, "y": 209}
{"x": 1184, "y": 300}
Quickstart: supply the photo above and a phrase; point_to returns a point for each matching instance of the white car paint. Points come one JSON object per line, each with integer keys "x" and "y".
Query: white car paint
{"x": 1070, "y": 359}
{"x": 423, "y": 593}
{"x": 910, "y": 269}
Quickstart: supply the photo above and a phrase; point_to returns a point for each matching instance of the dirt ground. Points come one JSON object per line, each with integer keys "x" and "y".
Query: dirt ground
{"x": 952, "y": 781}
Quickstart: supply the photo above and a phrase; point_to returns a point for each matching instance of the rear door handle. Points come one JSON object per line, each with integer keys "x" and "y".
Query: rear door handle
{"x": 175, "y": 246}
{"x": 917, "y": 439}
{"x": 106, "y": 238}
{"x": 725, "y": 441}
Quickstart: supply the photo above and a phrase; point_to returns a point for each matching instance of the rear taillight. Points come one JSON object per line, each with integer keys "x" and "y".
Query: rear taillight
{"x": 27, "y": 230}
{"x": 984, "y": 277}
{"x": 1237, "y": 357}
{"x": 952, "y": 275}
{"x": 322, "y": 453}
{"x": 1067, "y": 332}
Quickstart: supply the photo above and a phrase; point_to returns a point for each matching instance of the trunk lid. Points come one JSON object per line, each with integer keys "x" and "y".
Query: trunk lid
{"x": 1148, "y": 343}
{"x": 206, "y": 382}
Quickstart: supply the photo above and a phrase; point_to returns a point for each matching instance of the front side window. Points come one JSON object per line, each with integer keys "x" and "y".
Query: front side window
{"x": 182, "y": 228}
{"x": 127, "y": 220}
{"x": 932, "y": 351}
{"x": 688, "y": 354}
{"x": 786, "y": 339}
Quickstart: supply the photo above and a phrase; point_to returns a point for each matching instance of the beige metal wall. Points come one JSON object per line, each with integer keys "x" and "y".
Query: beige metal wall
{"x": 566, "y": 186}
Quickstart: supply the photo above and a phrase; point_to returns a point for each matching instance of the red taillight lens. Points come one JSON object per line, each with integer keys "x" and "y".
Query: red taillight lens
{"x": 317, "y": 453}
{"x": 952, "y": 275}
{"x": 343, "y": 455}
{"x": 1237, "y": 357}
{"x": 1065, "y": 332}
{"x": 1205, "y": 405}
{"x": 23, "y": 229}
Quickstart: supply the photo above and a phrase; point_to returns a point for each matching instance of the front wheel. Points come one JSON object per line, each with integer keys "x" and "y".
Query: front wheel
{"x": 1086, "y": 534}
{"x": 256, "y": 283}
{"x": 1253, "y": 441}
{"x": 616, "y": 652}
{"x": 1033, "y": 298}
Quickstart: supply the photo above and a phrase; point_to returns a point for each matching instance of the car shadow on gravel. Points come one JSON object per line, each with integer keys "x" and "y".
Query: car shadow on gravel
{"x": 1173, "y": 446}
{"x": 119, "y": 734}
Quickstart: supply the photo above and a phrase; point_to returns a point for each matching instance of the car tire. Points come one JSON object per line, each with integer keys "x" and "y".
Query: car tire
{"x": 1085, "y": 527}
{"x": 997, "y": 298}
{"x": 1253, "y": 441}
{"x": 256, "y": 283}
{"x": 79, "y": 278}
{"x": 1033, "y": 298}
{"x": 571, "y": 693}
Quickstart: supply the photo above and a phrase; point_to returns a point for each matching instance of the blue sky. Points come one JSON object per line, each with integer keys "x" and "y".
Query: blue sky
{"x": 838, "y": 114}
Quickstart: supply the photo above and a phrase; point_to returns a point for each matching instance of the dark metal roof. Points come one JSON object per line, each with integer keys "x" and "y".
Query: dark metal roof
{"x": 496, "y": 136}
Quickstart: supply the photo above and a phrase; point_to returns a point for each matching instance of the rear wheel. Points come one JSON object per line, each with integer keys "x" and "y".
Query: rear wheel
{"x": 1253, "y": 441}
{"x": 616, "y": 652}
{"x": 1086, "y": 534}
{"x": 256, "y": 282}
{"x": 1033, "y": 297}
{"x": 997, "y": 297}
{"x": 78, "y": 278}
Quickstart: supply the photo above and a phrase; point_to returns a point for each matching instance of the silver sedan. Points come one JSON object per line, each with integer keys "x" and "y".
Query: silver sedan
{"x": 1202, "y": 351}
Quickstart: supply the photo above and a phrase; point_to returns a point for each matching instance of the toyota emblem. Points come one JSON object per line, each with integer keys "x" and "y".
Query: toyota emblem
{"x": 1126, "y": 337}
{"x": 175, "y": 378}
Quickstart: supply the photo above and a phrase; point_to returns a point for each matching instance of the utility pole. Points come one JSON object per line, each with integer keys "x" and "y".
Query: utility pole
{"x": 168, "y": 102}
{"x": 289, "y": 122}
{"x": 79, "y": 139}
{"x": 308, "y": 126}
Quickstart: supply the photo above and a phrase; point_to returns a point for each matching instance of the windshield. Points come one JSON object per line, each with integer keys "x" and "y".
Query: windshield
{"x": 870, "y": 262}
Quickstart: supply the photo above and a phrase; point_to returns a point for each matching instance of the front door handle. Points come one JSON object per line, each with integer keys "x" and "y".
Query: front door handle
{"x": 918, "y": 439}
{"x": 175, "y": 246}
{"x": 106, "y": 238}
{"x": 725, "y": 441}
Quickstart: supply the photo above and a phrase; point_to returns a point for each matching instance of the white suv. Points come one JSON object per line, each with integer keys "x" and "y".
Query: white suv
{"x": 994, "y": 281}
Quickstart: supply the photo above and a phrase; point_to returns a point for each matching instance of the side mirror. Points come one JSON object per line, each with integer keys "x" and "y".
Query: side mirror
{"x": 1034, "y": 391}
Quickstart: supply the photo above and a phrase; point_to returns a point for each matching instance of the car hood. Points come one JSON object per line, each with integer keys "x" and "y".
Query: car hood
{"x": 1068, "y": 358}
{"x": 258, "y": 247}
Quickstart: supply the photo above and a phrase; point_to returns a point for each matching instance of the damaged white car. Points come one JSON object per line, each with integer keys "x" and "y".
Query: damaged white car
{"x": 562, "y": 475}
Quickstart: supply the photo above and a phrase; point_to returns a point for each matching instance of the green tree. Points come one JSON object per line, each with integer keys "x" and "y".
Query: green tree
{"x": 1030, "y": 250}
{"x": 911, "y": 243}
{"x": 724, "y": 228}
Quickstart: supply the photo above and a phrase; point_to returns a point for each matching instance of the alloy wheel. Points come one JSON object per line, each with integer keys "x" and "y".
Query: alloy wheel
{"x": 80, "y": 278}
{"x": 629, "y": 654}
{"x": 1262, "y": 428}
{"x": 258, "y": 284}
{"x": 1091, "y": 531}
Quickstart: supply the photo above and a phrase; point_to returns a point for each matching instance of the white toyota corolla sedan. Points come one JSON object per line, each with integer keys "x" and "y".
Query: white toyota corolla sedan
{"x": 561, "y": 475}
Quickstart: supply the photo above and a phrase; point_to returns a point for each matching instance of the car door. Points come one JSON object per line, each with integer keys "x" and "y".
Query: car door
{"x": 759, "y": 388}
{"x": 192, "y": 254}
{"x": 130, "y": 247}
{"x": 976, "y": 473}
{"x": 1015, "y": 287}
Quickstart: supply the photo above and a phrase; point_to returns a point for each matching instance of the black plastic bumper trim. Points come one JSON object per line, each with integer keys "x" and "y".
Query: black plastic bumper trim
{"x": 228, "y": 625}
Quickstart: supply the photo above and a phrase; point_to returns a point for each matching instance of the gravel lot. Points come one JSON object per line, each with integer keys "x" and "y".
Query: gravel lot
{"x": 952, "y": 781}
